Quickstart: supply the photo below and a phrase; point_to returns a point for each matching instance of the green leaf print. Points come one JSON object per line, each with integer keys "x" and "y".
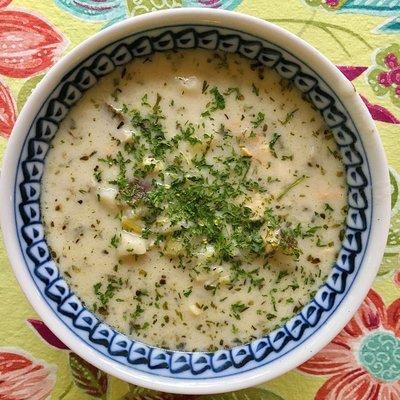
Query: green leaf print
{"x": 88, "y": 378}
{"x": 26, "y": 90}
{"x": 138, "y": 393}
{"x": 391, "y": 258}
{"x": 246, "y": 394}
{"x": 337, "y": 33}
{"x": 137, "y": 7}
{"x": 393, "y": 242}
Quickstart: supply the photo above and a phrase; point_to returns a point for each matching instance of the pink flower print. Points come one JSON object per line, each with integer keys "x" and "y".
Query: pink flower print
{"x": 363, "y": 361}
{"x": 8, "y": 112}
{"x": 24, "y": 378}
{"x": 29, "y": 44}
{"x": 384, "y": 76}
{"x": 391, "y": 61}
{"x": 383, "y": 79}
{"x": 331, "y": 5}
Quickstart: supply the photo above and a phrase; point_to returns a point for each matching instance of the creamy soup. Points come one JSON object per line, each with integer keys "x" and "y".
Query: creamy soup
{"x": 194, "y": 200}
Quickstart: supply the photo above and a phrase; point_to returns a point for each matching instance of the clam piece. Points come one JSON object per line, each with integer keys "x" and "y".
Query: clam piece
{"x": 224, "y": 279}
{"x": 173, "y": 248}
{"x": 190, "y": 83}
{"x": 116, "y": 112}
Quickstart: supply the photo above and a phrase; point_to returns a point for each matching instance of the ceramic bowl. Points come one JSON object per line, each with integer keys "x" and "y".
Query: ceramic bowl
{"x": 199, "y": 372}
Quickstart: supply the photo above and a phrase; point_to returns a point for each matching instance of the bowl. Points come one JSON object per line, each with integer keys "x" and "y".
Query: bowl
{"x": 198, "y": 372}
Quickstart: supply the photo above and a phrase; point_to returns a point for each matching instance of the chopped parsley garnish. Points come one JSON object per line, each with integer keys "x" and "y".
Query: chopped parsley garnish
{"x": 272, "y": 143}
{"x": 238, "y": 308}
{"x": 144, "y": 101}
{"x": 255, "y": 89}
{"x": 311, "y": 231}
{"x": 289, "y": 117}
{"x": 259, "y": 119}
{"x": 218, "y": 102}
{"x": 115, "y": 241}
{"x": 98, "y": 174}
{"x": 204, "y": 87}
{"x": 198, "y": 202}
{"x": 291, "y": 186}
{"x": 114, "y": 285}
{"x": 137, "y": 313}
{"x": 236, "y": 91}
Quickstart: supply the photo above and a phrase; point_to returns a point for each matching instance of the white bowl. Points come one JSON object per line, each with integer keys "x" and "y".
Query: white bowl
{"x": 246, "y": 365}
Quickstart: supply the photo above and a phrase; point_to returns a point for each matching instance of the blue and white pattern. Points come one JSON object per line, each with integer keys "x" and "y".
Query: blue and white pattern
{"x": 88, "y": 327}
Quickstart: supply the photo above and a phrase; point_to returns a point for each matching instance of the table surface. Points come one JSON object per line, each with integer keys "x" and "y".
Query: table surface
{"x": 362, "y": 37}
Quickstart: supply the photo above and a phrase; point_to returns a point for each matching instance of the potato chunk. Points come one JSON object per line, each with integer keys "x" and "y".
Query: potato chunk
{"x": 125, "y": 135}
{"x": 195, "y": 310}
{"x": 245, "y": 152}
{"x": 108, "y": 196}
{"x": 131, "y": 244}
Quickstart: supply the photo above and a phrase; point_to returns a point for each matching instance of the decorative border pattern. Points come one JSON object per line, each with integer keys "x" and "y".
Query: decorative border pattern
{"x": 87, "y": 326}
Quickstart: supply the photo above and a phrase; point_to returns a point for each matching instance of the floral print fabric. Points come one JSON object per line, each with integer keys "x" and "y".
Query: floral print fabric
{"x": 363, "y": 39}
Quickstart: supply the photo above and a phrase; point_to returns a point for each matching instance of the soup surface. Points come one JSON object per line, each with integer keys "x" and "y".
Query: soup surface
{"x": 194, "y": 200}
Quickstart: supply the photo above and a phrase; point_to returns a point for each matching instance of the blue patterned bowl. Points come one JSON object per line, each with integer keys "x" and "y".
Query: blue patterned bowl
{"x": 199, "y": 372}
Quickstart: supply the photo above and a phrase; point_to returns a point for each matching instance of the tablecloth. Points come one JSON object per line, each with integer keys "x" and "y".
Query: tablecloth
{"x": 362, "y": 38}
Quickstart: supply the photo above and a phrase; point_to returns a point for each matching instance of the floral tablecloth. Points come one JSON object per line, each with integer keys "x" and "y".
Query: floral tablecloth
{"x": 362, "y": 37}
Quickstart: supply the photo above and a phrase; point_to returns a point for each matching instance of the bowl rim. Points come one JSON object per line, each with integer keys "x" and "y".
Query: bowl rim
{"x": 343, "y": 90}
